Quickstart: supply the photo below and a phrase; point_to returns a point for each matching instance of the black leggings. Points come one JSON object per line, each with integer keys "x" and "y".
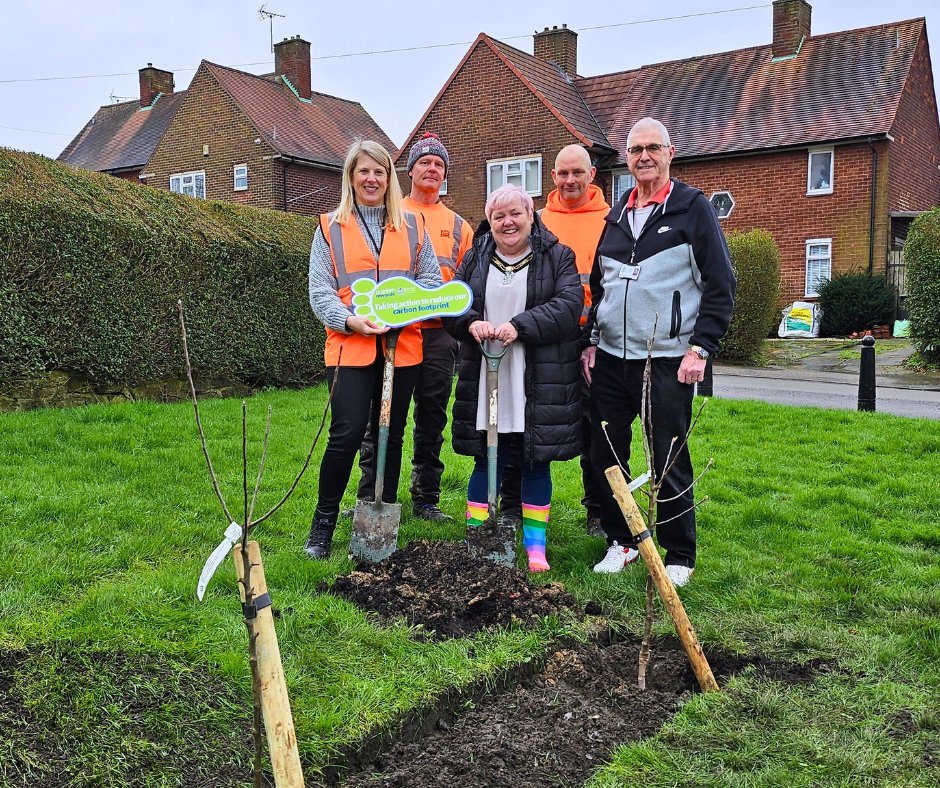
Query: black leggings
{"x": 355, "y": 406}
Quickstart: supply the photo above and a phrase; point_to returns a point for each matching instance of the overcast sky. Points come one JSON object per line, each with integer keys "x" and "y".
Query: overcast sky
{"x": 61, "y": 60}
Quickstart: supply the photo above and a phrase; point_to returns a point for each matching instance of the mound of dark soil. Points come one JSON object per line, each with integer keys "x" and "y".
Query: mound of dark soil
{"x": 541, "y": 726}
{"x": 441, "y": 588}
{"x": 546, "y": 728}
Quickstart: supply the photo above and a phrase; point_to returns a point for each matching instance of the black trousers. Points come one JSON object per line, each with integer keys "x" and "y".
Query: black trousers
{"x": 355, "y": 406}
{"x": 510, "y": 493}
{"x": 431, "y": 396}
{"x": 617, "y": 390}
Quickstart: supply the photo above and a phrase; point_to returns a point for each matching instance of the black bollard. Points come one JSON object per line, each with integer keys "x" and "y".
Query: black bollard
{"x": 704, "y": 387}
{"x": 866, "y": 375}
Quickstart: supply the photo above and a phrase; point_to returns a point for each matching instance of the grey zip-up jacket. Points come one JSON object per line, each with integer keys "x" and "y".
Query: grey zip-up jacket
{"x": 677, "y": 275}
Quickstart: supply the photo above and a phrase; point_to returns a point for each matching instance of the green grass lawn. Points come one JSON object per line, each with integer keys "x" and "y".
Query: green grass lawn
{"x": 821, "y": 539}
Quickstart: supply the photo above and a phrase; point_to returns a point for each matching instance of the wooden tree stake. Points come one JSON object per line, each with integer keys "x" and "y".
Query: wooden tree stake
{"x": 275, "y": 705}
{"x": 667, "y": 591}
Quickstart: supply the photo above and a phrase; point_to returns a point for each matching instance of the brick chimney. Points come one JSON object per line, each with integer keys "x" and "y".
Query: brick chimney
{"x": 154, "y": 81}
{"x": 559, "y": 46}
{"x": 292, "y": 60}
{"x": 791, "y": 26}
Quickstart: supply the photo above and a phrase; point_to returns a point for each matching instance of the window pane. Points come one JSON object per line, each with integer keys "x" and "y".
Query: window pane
{"x": 623, "y": 182}
{"x": 820, "y": 170}
{"x": 175, "y": 184}
{"x": 514, "y": 178}
{"x": 532, "y": 184}
{"x": 496, "y": 176}
{"x": 513, "y": 168}
{"x": 201, "y": 186}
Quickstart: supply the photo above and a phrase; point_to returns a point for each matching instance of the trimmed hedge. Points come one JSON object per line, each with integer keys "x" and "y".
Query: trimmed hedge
{"x": 922, "y": 263}
{"x": 91, "y": 268}
{"x": 853, "y": 302}
{"x": 756, "y": 262}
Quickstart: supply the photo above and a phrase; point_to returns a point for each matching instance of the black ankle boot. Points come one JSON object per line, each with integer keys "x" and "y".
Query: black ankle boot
{"x": 320, "y": 537}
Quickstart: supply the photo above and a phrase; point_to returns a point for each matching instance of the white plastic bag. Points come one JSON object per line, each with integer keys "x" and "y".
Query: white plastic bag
{"x": 800, "y": 319}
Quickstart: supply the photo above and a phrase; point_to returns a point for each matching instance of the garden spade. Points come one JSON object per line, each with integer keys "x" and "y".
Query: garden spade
{"x": 375, "y": 523}
{"x": 492, "y": 541}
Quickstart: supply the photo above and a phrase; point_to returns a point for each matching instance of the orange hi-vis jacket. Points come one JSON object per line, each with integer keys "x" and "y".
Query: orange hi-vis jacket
{"x": 580, "y": 229}
{"x": 451, "y": 237}
{"x": 352, "y": 260}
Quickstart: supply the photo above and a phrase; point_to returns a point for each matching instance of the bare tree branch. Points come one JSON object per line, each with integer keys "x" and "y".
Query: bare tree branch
{"x": 692, "y": 508}
{"x": 249, "y": 524}
{"x": 202, "y": 434}
{"x": 711, "y": 461}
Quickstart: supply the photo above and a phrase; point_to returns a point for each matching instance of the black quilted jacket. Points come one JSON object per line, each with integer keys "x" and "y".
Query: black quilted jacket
{"x": 549, "y": 330}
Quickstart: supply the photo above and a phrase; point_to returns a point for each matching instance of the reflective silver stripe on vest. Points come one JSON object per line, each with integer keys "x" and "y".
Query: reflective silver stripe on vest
{"x": 413, "y": 242}
{"x": 585, "y": 282}
{"x": 451, "y": 262}
{"x": 345, "y": 279}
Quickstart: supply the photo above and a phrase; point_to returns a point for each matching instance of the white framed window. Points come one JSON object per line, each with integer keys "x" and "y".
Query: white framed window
{"x": 818, "y": 264}
{"x": 191, "y": 183}
{"x": 443, "y": 187}
{"x": 723, "y": 203}
{"x": 820, "y": 171}
{"x": 622, "y": 182}
{"x": 526, "y": 173}
{"x": 240, "y": 177}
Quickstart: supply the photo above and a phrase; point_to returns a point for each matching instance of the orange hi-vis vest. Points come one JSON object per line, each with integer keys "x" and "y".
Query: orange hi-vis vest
{"x": 352, "y": 260}
{"x": 580, "y": 229}
{"x": 450, "y": 236}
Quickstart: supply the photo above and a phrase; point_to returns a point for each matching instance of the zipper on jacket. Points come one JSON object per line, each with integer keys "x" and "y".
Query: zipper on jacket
{"x": 676, "y": 323}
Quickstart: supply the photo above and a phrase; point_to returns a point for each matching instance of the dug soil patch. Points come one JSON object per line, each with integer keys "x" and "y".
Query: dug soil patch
{"x": 543, "y": 725}
{"x": 439, "y": 588}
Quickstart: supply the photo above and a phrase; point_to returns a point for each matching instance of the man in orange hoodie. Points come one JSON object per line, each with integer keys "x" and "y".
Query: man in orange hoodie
{"x": 574, "y": 212}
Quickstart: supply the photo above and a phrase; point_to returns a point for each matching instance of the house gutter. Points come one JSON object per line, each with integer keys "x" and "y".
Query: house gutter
{"x": 871, "y": 210}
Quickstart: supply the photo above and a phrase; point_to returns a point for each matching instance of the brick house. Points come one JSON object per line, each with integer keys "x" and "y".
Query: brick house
{"x": 829, "y": 142}
{"x": 268, "y": 141}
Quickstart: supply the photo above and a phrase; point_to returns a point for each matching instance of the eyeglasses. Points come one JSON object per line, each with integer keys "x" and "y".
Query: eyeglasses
{"x": 653, "y": 148}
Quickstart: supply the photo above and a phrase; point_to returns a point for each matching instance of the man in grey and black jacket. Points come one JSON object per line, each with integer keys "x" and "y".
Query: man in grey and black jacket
{"x": 662, "y": 273}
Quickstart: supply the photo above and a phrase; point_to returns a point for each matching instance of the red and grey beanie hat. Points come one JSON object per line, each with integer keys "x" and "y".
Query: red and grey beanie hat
{"x": 429, "y": 143}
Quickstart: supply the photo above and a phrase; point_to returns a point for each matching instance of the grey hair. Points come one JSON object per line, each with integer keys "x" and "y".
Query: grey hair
{"x": 655, "y": 124}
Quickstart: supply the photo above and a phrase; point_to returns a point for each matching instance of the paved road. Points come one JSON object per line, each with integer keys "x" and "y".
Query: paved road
{"x": 833, "y": 390}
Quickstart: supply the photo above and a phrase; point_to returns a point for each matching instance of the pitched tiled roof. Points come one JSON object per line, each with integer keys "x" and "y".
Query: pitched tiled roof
{"x": 320, "y": 130}
{"x": 551, "y": 85}
{"x": 840, "y": 86}
{"x": 121, "y": 136}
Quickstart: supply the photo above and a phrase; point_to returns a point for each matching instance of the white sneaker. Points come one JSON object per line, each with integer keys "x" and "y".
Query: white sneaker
{"x": 617, "y": 557}
{"x": 679, "y": 575}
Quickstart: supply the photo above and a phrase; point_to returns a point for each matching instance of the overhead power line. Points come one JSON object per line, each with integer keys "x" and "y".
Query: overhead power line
{"x": 411, "y": 49}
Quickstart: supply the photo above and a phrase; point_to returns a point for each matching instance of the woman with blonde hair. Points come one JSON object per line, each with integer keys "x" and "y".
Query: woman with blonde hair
{"x": 367, "y": 236}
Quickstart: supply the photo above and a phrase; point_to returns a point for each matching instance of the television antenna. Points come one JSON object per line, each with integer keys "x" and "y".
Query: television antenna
{"x": 264, "y": 13}
{"x": 115, "y": 99}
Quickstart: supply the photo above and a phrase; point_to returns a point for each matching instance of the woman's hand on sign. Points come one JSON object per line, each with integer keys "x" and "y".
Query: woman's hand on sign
{"x": 360, "y": 325}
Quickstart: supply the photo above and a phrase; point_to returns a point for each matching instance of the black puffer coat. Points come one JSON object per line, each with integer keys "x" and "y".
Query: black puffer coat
{"x": 549, "y": 330}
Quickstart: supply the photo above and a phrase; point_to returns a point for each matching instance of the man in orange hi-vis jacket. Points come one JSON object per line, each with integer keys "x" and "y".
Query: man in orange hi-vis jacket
{"x": 451, "y": 237}
{"x": 574, "y": 212}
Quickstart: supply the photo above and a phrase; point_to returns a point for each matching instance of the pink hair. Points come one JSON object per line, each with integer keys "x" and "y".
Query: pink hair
{"x": 505, "y": 196}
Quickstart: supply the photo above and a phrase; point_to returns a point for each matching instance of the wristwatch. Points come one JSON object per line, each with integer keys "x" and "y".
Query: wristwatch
{"x": 701, "y": 352}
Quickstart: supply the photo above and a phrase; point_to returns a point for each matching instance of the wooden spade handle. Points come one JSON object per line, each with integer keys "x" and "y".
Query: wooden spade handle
{"x": 664, "y": 586}
{"x": 275, "y": 705}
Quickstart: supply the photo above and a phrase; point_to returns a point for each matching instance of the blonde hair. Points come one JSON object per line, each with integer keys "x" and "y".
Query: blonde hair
{"x": 394, "y": 216}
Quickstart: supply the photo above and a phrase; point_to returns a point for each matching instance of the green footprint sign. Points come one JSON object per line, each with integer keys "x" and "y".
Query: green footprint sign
{"x": 400, "y": 301}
